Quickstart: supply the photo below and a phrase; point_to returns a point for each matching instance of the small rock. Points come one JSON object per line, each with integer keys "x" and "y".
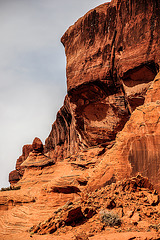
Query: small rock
{"x": 89, "y": 212}
{"x": 74, "y": 214}
{"x": 135, "y": 218}
{"x": 52, "y": 229}
{"x": 153, "y": 199}
{"x": 119, "y": 212}
{"x": 37, "y": 145}
{"x": 129, "y": 213}
{"x": 110, "y": 204}
{"x": 148, "y": 212}
{"x": 14, "y": 177}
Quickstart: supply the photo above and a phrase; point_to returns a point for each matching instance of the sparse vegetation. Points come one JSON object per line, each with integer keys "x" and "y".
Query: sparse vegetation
{"x": 109, "y": 218}
{"x": 10, "y": 188}
{"x": 156, "y": 227}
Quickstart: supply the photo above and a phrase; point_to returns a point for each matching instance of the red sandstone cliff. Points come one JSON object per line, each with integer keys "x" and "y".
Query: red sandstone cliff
{"x": 112, "y": 57}
{"x": 107, "y": 130}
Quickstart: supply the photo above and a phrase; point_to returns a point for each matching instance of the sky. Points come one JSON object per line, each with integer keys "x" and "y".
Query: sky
{"x": 32, "y": 71}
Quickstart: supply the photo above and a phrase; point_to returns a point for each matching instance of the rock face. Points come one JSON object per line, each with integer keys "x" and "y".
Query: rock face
{"x": 36, "y": 158}
{"x": 17, "y": 174}
{"x": 115, "y": 40}
{"x": 137, "y": 145}
{"x": 103, "y": 152}
{"x": 112, "y": 57}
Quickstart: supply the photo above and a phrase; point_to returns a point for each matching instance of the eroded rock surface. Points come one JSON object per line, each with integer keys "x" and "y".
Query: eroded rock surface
{"x": 14, "y": 177}
{"x": 37, "y": 145}
{"x": 112, "y": 58}
{"x": 17, "y": 174}
{"x": 103, "y": 152}
{"x": 36, "y": 158}
{"x": 117, "y": 200}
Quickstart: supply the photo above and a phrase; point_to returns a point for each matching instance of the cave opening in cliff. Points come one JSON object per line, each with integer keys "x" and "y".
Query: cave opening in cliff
{"x": 137, "y": 81}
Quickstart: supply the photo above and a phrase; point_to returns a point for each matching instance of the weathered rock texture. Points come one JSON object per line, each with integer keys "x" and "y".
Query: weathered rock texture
{"x": 112, "y": 198}
{"x": 107, "y": 131}
{"x": 36, "y": 158}
{"x": 116, "y": 40}
{"x": 14, "y": 177}
{"x": 112, "y": 57}
{"x": 37, "y": 145}
{"x": 17, "y": 174}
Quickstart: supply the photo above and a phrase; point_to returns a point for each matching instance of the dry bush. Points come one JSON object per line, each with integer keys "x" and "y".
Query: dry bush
{"x": 10, "y": 188}
{"x": 109, "y": 218}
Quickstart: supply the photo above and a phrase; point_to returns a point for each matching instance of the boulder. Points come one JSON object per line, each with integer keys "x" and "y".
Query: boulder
{"x": 14, "y": 177}
{"x": 37, "y": 145}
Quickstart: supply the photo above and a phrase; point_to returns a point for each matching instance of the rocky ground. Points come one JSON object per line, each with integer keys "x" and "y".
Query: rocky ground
{"x": 128, "y": 209}
{"x": 129, "y": 206}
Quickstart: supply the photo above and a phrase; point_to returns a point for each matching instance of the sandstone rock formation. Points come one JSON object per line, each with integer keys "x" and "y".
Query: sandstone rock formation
{"x": 14, "y": 177}
{"x": 103, "y": 152}
{"x": 17, "y": 174}
{"x": 137, "y": 147}
{"x": 37, "y": 145}
{"x": 112, "y": 57}
{"x": 36, "y": 158}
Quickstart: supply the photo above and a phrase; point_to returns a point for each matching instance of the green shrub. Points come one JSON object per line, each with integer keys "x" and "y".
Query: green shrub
{"x": 109, "y": 218}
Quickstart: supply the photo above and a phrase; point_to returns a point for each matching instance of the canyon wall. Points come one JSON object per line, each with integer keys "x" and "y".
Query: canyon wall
{"x": 107, "y": 131}
{"x": 112, "y": 58}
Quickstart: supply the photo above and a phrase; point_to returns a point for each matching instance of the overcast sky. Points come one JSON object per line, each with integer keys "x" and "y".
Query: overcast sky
{"x": 32, "y": 70}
